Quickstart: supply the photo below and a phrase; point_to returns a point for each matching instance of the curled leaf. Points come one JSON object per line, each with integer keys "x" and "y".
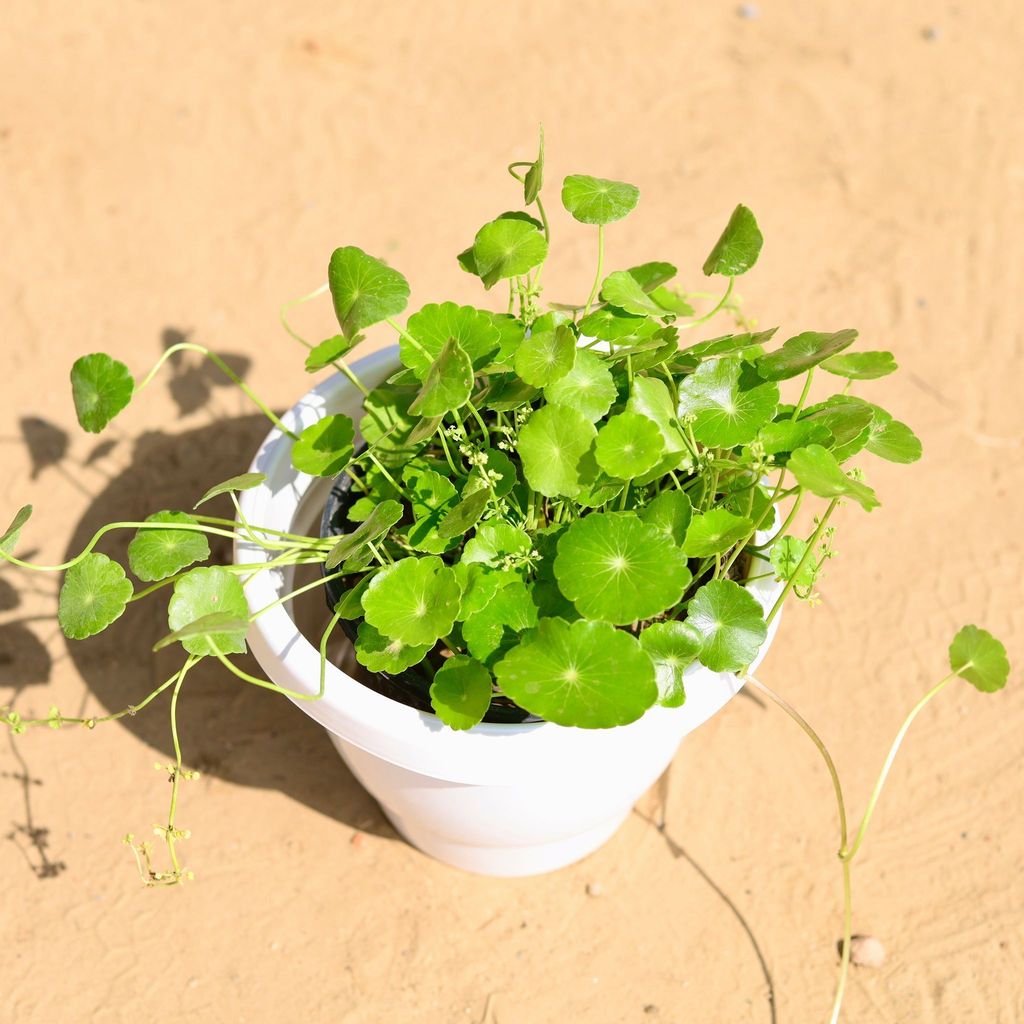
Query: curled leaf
{"x": 10, "y": 536}
{"x": 802, "y": 353}
{"x": 325, "y": 448}
{"x": 213, "y": 626}
{"x": 817, "y": 469}
{"x": 672, "y": 647}
{"x": 448, "y": 383}
{"x": 242, "y": 482}
{"x": 329, "y": 351}
{"x": 738, "y": 247}
{"x": 380, "y": 653}
{"x": 374, "y": 526}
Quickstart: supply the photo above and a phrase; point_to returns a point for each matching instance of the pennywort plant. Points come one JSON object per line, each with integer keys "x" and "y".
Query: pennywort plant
{"x": 557, "y": 508}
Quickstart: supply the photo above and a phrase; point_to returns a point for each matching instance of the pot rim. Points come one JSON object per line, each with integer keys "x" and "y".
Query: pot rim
{"x": 388, "y": 728}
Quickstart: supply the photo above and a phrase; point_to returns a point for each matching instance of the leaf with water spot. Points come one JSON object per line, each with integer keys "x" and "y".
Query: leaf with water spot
{"x": 364, "y": 290}
{"x": 731, "y": 625}
{"x": 415, "y": 600}
{"x": 614, "y": 567}
{"x": 598, "y": 200}
{"x": 672, "y": 647}
{"x": 206, "y": 591}
{"x": 101, "y": 387}
{"x": 156, "y": 554}
{"x": 94, "y": 594}
{"x": 461, "y": 692}
{"x": 584, "y": 674}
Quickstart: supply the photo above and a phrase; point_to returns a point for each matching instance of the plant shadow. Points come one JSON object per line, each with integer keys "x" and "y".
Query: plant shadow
{"x": 229, "y": 729}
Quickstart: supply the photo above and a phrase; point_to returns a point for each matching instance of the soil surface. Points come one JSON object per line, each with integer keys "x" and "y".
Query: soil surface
{"x": 175, "y": 171}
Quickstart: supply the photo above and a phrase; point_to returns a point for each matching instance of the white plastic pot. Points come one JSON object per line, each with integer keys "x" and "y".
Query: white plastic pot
{"x": 497, "y": 799}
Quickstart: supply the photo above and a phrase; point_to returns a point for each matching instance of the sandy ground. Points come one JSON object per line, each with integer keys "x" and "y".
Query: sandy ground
{"x": 180, "y": 169}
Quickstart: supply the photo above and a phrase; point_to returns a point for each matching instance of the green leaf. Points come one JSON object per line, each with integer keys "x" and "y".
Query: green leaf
{"x": 546, "y": 356}
{"x": 817, "y": 469}
{"x": 551, "y": 446}
{"x": 534, "y": 178}
{"x": 328, "y": 351}
{"x": 376, "y": 525}
{"x": 588, "y": 387}
{"x": 726, "y": 412}
{"x": 461, "y": 692}
{"x": 714, "y": 532}
{"x": 649, "y": 397}
{"x": 213, "y": 625}
{"x": 507, "y": 248}
{"x": 890, "y": 439}
{"x": 786, "y": 555}
{"x": 11, "y": 535}
{"x": 731, "y": 344}
{"x": 350, "y": 604}
{"x": 206, "y": 591}
{"x": 380, "y": 653}
{"x": 436, "y": 323}
{"x": 848, "y": 420}
{"x": 672, "y": 646}
{"x": 615, "y": 325}
{"x": 651, "y": 276}
{"x": 364, "y": 290}
{"x": 802, "y": 353}
{"x": 672, "y": 300}
{"x": 977, "y": 656}
{"x": 494, "y": 541}
{"x": 101, "y": 387}
{"x": 95, "y": 593}
{"x": 584, "y": 674}
{"x": 737, "y": 249}
{"x": 786, "y": 435}
{"x": 614, "y": 567}
{"x": 510, "y": 336}
{"x": 156, "y": 554}
{"x": 507, "y": 392}
{"x": 730, "y": 623}
{"x": 496, "y": 628}
{"x": 500, "y": 477}
{"x": 325, "y": 448}
{"x": 433, "y": 497}
{"x": 598, "y": 200}
{"x": 479, "y": 583}
{"x": 621, "y": 289}
{"x": 628, "y": 445}
{"x": 671, "y": 513}
{"x": 464, "y": 515}
{"x": 415, "y": 600}
{"x": 242, "y": 482}
{"x": 861, "y": 365}
{"x": 387, "y": 426}
{"x": 448, "y": 383}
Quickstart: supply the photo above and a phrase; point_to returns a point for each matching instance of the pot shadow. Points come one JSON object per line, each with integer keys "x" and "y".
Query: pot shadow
{"x": 229, "y": 729}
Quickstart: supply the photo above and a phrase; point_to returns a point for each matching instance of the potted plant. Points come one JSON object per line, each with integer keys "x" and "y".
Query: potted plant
{"x": 558, "y": 538}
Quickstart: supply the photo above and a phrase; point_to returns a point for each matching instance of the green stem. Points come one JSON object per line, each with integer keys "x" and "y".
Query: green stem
{"x": 600, "y": 269}
{"x": 803, "y": 395}
{"x": 707, "y": 316}
{"x": 295, "y": 593}
{"x": 187, "y": 346}
{"x": 811, "y": 544}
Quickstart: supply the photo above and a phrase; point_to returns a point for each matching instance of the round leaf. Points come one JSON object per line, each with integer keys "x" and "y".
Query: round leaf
{"x": 101, "y": 387}
{"x": 588, "y": 387}
{"x": 448, "y": 383}
{"x": 157, "y": 554}
{"x": 800, "y": 354}
{"x": 892, "y": 440}
{"x": 415, "y": 600}
{"x": 727, "y": 414}
{"x": 95, "y": 592}
{"x": 546, "y": 356}
{"x": 737, "y": 249}
{"x": 551, "y": 446}
{"x": 364, "y": 289}
{"x": 598, "y": 200}
{"x": 584, "y": 674}
{"x": 497, "y": 627}
{"x": 494, "y": 541}
{"x": 847, "y": 419}
{"x": 786, "y": 556}
{"x": 242, "y": 482}
{"x": 671, "y": 513}
{"x": 730, "y": 623}
{"x": 628, "y": 445}
{"x": 328, "y": 351}
{"x": 325, "y": 448}
{"x": 461, "y": 692}
{"x": 507, "y": 248}
{"x": 817, "y": 469}
{"x": 672, "y": 646}
{"x": 208, "y": 591}
{"x": 977, "y": 656}
{"x": 621, "y": 289}
{"x": 616, "y": 568}
{"x": 436, "y": 323}
{"x": 715, "y": 532}
{"x": 380, "y": 653}
{"x": 861, "y": 365}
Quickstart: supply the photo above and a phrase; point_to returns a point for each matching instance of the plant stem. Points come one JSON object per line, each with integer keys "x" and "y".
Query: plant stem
{"x": 811, "y": 544}
{"x": 600, "y": 269}
{"x": 803, "y": 395}
{"x": 707, "y": 316}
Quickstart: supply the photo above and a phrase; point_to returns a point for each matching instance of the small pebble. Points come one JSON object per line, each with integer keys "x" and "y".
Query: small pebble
{"x": 748, "y": 11}
{"x": 866, "y": 951}
{"x": 594, "y": 889}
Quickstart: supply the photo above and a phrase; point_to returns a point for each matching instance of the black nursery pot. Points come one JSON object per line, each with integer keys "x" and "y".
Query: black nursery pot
{"x": 411, "y": 687}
